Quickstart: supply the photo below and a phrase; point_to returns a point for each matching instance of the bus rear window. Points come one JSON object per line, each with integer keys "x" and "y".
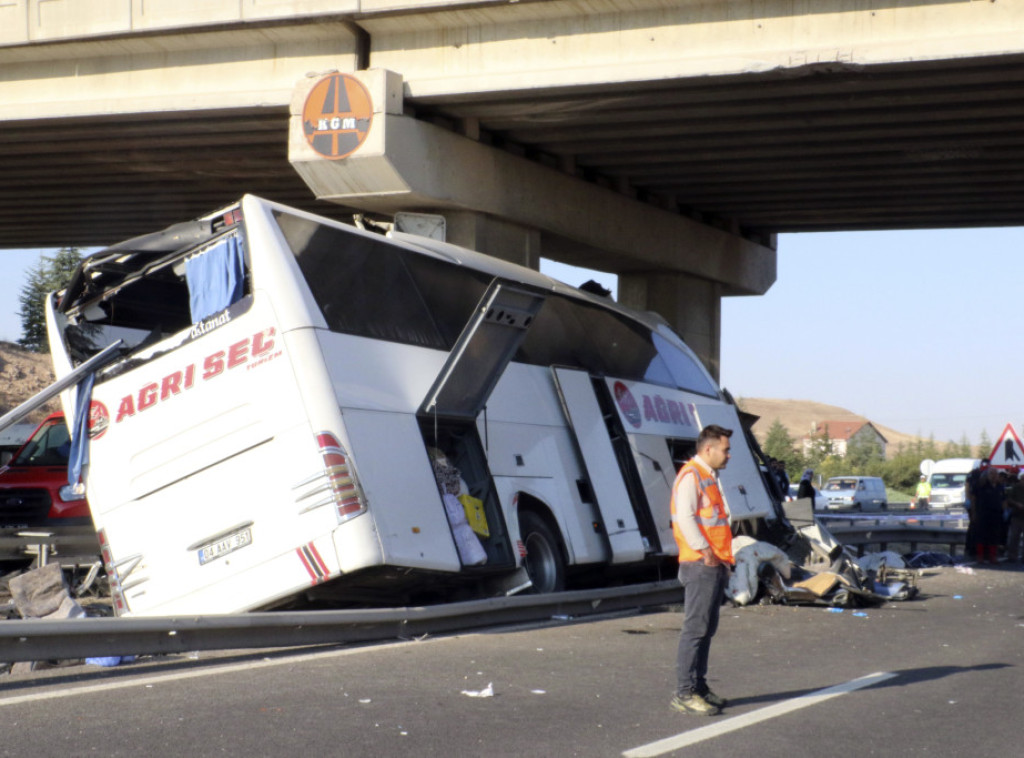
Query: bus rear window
{"x": 373, "y": 288}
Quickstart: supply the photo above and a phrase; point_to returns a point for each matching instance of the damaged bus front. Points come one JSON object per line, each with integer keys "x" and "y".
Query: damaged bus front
{"x": 305, "y": 412}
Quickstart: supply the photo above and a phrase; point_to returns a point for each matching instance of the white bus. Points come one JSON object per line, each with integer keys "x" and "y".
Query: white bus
{"x": 304, "y": 413}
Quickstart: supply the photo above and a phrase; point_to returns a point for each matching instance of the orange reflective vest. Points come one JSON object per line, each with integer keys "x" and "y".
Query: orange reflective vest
{"x": 712, "y": 515}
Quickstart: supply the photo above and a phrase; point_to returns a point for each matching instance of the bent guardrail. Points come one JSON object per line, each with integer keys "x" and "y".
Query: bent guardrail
{"x": 35, "y": 639}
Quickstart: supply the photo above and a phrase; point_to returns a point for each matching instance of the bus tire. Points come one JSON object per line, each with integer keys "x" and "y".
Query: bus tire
{"x": 543, "y": 562}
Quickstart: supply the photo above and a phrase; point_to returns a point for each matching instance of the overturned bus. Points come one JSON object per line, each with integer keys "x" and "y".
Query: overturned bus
{"x": 303, "y": 412}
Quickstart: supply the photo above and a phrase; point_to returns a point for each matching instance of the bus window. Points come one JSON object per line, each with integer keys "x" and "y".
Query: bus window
{"x": 372, "y": 288}
{"x": 580, "y": 335}
{"x": 450, "y": 292}
{"x": 685, "y": 372}
{"x": 142, "y": 296}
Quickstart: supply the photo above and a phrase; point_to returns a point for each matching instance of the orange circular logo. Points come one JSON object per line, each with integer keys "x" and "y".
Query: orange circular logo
{"x": 337, "y": 115}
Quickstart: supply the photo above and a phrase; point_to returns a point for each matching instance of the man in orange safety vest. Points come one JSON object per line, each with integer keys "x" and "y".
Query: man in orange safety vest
{"x": 700, "y": 523}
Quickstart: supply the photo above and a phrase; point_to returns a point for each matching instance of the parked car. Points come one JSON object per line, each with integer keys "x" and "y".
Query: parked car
{"x": 855, "y": 493}
{"x": 820, "y": 501}
{"x": 34, "y": 490}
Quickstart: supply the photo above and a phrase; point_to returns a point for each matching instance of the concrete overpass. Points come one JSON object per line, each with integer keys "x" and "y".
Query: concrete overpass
{"x": 668, "y": 141}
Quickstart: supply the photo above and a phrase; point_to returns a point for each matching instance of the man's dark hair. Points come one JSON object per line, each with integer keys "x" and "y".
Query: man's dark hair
{"x": 711, "y": 433}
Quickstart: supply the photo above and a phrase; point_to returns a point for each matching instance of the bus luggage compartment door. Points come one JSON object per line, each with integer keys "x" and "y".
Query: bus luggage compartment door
{"x": 602, "y": 468}
{"x": 742, "y": 486}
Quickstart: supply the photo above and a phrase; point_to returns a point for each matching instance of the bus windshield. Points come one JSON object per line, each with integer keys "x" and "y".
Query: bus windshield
{"x": 49, "y": 446}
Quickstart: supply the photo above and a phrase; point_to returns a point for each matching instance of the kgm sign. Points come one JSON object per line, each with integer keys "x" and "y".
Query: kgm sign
{"x": 337, "y": 115}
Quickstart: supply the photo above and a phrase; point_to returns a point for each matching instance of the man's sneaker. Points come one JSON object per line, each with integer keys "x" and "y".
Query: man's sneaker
{"x": 694, "y": 704}
{"x": 715, "y": 700}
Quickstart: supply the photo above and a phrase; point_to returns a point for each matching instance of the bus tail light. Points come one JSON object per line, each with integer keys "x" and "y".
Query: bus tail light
{"x": 337, "y": 484}
{"x": 113, "y": 578}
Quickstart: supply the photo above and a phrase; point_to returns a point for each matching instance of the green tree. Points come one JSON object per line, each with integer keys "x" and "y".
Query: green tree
{"x": 779, "y": 444}
{"x": 961, "y": 449}
{"x": 864, "y": 456}
{"x": 51, "y": 273}
{"x": 984, "y": 445}
{"x": 818, "y": 450}
{"x": 902, "y": 470}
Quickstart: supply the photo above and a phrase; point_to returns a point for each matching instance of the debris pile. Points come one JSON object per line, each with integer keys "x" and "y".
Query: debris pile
{"x": 812, "y": 568}
{"x": 41, "y": 594}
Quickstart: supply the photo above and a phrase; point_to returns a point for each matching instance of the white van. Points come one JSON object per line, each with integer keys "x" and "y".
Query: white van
{"x": 855, "y": 493}
{"x": 303, "y": 412}
{"x": 948, "y": 479}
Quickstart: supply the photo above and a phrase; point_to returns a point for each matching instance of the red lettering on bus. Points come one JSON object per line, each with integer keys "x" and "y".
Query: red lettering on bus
{"x": 649, "y": 412}
{"x": 675, "y": 412}
{"x": 661, "y": 408}
{"x": 126, "y": 408}
{"x": 171, "y": 385}
{"x": 238, "y": 353}
{"x": 147, "y": 396}
{"x": 261, "y": 344}
{"x": 213, "y": 365}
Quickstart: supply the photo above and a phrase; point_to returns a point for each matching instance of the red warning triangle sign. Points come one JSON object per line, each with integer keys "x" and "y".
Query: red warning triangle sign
{"x": 1008, "y": 451}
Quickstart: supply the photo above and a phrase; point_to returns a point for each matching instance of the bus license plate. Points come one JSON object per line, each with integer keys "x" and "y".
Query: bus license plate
{"x": 227, "y": 545}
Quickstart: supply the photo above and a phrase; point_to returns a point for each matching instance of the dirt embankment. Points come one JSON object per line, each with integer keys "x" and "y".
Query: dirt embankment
{"x": 22, "y": 375}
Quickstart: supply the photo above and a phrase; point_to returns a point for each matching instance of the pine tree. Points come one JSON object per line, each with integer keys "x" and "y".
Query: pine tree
{"x": 51, "y": 273}
{"x": 778, "y": 443}
{"x": 984, "y": 445}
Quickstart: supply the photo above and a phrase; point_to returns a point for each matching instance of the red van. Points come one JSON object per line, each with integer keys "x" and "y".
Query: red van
{"x": 34, "y": 490}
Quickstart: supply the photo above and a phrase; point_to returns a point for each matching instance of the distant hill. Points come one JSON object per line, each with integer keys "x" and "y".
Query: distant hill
{"x": 798, "y": 416}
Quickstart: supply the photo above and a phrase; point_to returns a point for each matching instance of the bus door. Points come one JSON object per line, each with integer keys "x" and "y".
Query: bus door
{"x": 742, "y": 486}
{"x": 655, "y": 461}
{"x": 613, "y": 481}
{"x": 450, "y": 409}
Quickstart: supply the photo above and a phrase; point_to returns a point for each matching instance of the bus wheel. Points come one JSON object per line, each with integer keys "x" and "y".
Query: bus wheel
{"x": 543, "y": 562}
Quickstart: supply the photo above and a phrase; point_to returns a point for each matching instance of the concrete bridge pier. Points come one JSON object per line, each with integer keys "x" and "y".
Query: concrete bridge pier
{"x": 497, "y": 237}
{"x": 693, "y": 306}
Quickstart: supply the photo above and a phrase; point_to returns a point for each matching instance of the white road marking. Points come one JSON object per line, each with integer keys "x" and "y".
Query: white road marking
{"x": 694, "y": 736}
{"x": 193, "y": 673}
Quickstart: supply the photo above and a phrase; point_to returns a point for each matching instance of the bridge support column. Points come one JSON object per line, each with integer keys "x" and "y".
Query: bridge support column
{"x": 502, "y": 239}
{"x": 692, "y": 307}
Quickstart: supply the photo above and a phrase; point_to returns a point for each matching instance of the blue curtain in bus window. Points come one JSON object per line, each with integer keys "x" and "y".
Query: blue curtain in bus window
{"x": 79, "y": 427}
{"x": 215, "y": 278}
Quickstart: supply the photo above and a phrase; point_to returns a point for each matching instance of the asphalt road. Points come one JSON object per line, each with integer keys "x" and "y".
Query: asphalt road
{"x": 948, "y": 665}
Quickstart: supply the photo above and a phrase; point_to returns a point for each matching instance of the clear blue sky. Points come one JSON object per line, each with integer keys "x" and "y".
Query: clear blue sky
{"x": 916, "y": 330}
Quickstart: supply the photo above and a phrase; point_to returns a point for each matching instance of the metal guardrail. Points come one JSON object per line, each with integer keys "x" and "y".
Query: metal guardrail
{"x": 35, "y": 639}
{"x": 861, "y": 530}
{"x": 70, "y": 545}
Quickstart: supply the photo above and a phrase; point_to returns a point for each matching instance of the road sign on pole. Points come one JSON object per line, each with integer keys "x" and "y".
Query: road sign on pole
{"x": 1008, "y": 452}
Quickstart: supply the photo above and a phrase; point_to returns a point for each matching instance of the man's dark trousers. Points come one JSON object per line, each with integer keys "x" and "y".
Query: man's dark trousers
{"x": 704, "y": 586}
